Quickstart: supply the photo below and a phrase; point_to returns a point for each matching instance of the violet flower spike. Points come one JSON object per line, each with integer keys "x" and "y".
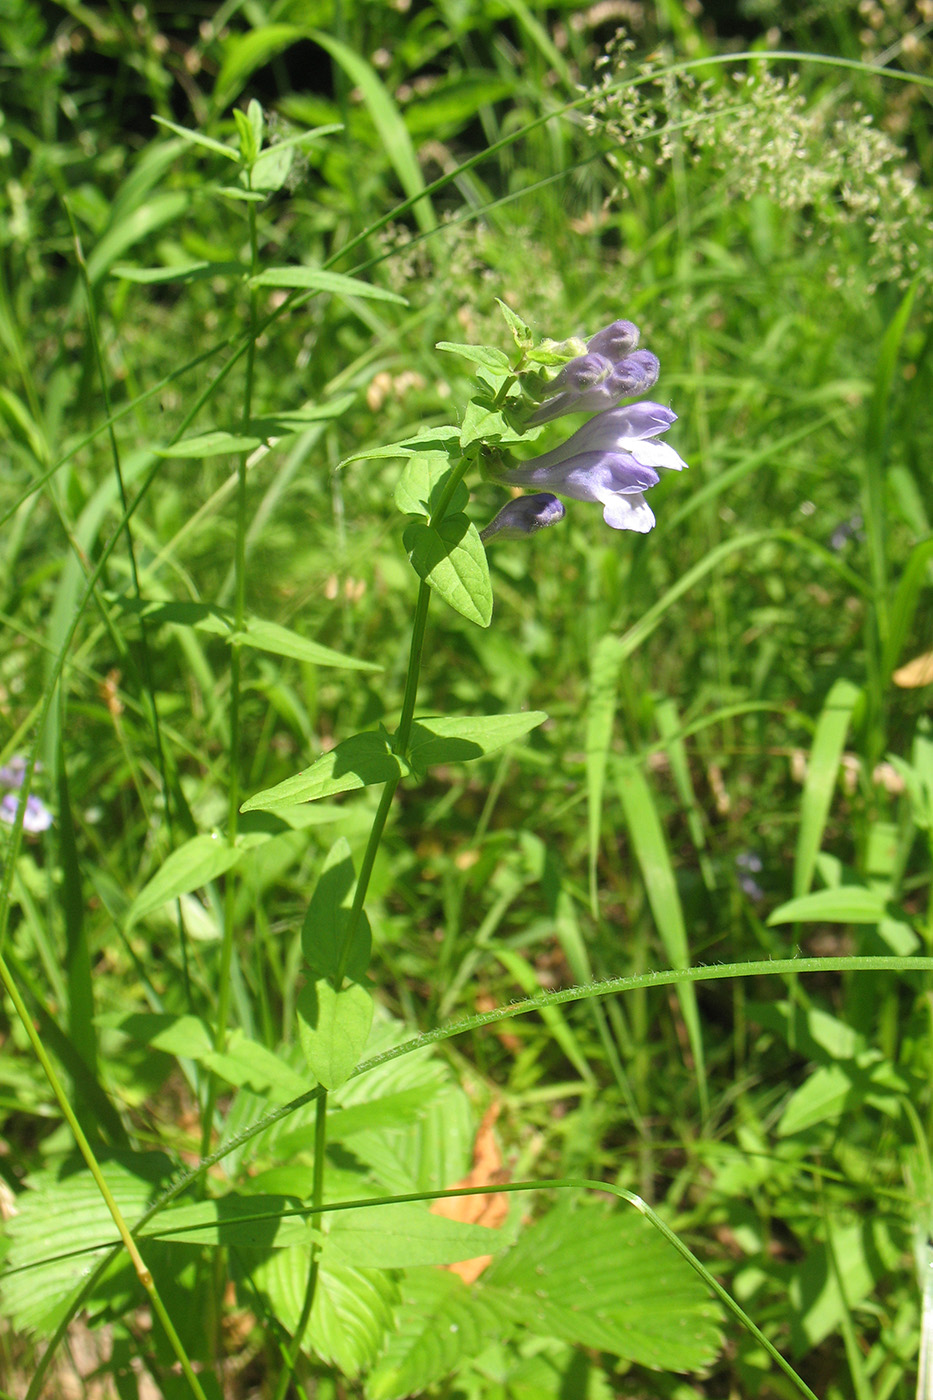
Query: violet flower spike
{"x": 613, "y": 459}
{"x": 615, "y": 341}
{"x": 525, "y": 515}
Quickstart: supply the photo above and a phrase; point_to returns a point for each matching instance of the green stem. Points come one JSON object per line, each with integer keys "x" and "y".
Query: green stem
{"x": 317, "y": 1201}
{"x": 239, "y": 615}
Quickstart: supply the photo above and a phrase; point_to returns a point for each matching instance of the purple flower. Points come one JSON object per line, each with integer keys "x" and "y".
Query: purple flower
{"x": 592, "y": 383}
{"x": 612, "y": 459}
{"x": 525, "y": 515}
{"x": 37, "y": 816}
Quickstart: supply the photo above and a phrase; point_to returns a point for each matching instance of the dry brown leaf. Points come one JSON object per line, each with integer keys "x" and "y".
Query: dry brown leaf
{"x": 916, "y": 673}
{"x": 490, "y": 1209}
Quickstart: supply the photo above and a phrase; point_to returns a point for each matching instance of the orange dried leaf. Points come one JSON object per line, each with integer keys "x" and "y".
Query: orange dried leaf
{"x": 489, "y": 1209}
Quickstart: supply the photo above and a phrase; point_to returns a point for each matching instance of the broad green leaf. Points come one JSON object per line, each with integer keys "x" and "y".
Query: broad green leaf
{"x": 439, "y": 439}
{"x": 822, "y": 772}
{"x": 356, "y": 762}
{"x": 439, "y": 1322}
{"x": 651, "y": 852}
{"x": 58, "y": 1213}
{"x": 451, "y": 559}
{"x": 488, "y": 355}
{"x": 397, "y": 1236}
{"x": 319, "y": 279}
{"x": 863, "y": 1251}
{"x": 194, "y": 865}
{"x": 327, "y": 920}
{"x": 352, "y": 1313}
{"x": 213, "y": 444}
{"x": 420, "y": 486}
{"x": 608, "y": 1280}
{"x": 839, "y": 1088}
{"x": 333, "y": 1028}
{"x": 180, "y": 272}
{"x": 847, "y": 904}
{"x": 393, "y": 137}
{"x": 459, "y": 738}
{"x": 251, "y": 1222}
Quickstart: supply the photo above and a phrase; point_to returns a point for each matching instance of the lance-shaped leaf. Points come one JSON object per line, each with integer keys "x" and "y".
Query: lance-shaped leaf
{"x": 437, "y": 439}
{"x": 398, "y": 1236}
{"x": 251, "y": 1222}
{"x": 193, "y": 865}
{"x": 451, "y": 559}
{"x": 489, "y": 356}
{"x": 356, "y": 762}
{"x": 459, "y": 738}
{"x": 320, "y": 279}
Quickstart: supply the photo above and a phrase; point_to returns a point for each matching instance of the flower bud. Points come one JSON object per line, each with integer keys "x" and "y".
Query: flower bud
{"x": 615, "y": 341}
{"x": 525, "y": 515}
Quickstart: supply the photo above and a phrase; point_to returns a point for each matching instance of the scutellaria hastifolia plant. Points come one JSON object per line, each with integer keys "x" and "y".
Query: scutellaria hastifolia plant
{"x": 612, "y": 459}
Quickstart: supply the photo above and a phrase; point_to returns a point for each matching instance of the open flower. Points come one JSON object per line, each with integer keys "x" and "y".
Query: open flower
{"x": 37, "y": 816}
{"x": 614, "y": 459}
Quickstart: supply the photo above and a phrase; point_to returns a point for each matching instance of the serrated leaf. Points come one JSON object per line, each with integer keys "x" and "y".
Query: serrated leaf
{"x": 437, "y": 439}
{"x": 846, "y": 904}
{"x": 439, "y": 1322}
{"x": 326, "y": 922}
{"x": 609, "y": 1280}
{"x": 250, "y": 1222}
{"x": 194, "y": 865}
{"x": 451, "y": 560}
{"x": 319, "y": 279}
{"x": 420, "y": 486}
{"x": 457, "y": 739}
{"x": 60, "y": 1212}
{"x": 333, "y": 1028}
{"x": 356, "y": 762}
{"x": 487, "y": 355}
{"x": 352, "y": 1311}
{"x": 402, "y": 1235}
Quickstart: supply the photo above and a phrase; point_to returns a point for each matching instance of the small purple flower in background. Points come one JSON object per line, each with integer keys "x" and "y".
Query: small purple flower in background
{"x": 612, "y": 459}
{"x": 37, "y": 816}
{"x": 525, "y": 515}
{"x": 749, "y": 865}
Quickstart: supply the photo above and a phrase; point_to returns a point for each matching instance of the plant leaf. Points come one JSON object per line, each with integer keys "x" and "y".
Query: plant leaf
{"x": 194, "y": 865}
{"x": 319, "y": 279}
{"x": 451, "y": 560}
{"x": 333, "y": 1028}
{"x": 846, "y": 904}
{"x": 356, "y": 762}
{"x": 607, "y": 1279}
{"x": 421, "y": 483}
{"x": 403, "y": 1234}
{"x": 459, "y": 738}
{"x": 325, "y": 923}
{"x": 490, "y": 356}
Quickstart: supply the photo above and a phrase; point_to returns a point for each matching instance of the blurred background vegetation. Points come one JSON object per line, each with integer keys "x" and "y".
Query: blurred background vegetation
{"x": 766, "y": 220}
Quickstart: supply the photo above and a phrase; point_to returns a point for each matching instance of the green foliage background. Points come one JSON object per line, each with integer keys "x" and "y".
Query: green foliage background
{"x": 729, "y": 728}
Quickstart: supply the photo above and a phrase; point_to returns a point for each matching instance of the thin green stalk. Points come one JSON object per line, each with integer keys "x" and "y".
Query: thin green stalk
{"x": 239, "y": 614}
{"x": 317, "y": 1201}
{"x": 84, "y": 1147}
